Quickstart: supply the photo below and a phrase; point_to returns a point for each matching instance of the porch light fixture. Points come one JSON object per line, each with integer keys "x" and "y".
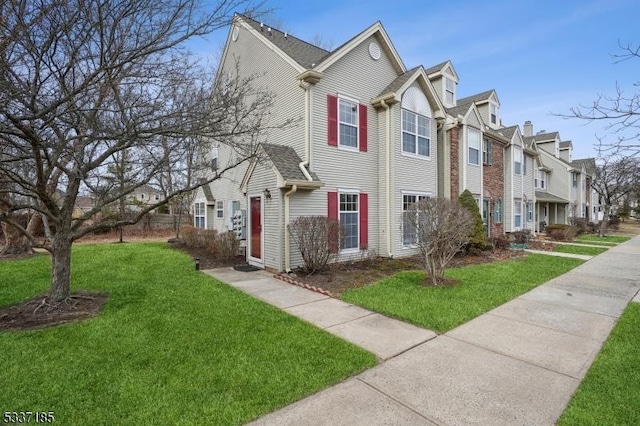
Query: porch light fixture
{"x": 267, "y": 194}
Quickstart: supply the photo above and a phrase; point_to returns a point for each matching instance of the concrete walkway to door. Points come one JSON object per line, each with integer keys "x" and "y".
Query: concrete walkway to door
{"x": 517, "y": 364}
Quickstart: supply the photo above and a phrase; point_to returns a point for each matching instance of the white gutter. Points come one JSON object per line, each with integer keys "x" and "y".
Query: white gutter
{"x": 388, "y": 178}
{"x": 287, "y": 218}
{"x": 307, "y": 130}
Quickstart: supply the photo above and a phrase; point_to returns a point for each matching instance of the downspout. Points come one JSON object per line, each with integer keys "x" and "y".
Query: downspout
{"x": 388, "y": 177}
{"x": 307, "y": 130}
{"x": 287, "y": 218}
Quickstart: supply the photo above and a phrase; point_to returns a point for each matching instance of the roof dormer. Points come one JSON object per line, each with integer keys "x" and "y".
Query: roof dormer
{"x": 445, "y": 79}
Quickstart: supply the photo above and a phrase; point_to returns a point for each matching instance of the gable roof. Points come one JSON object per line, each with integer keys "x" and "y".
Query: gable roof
{"x": 546, "y": 137}
{"x": 393, "y": 92}
{"x": 588, "y": 163}
{"x": 441, "y": 68}
{"x": 478, "y": 98}
{"x": 460, "y": 109}
{"x": 387, "y": 46}
{"x": 505, "y": 133}
{"x": 286, "y": 161}
{"x": 305, "y": 54}
{"x": 566, "y": 144}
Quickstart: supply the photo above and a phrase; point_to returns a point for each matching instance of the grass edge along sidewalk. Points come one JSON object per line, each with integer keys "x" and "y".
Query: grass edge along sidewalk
{"x": 481, "y": 288}
{"x": 609, "y": 393}
{"x": 171, "y": 345}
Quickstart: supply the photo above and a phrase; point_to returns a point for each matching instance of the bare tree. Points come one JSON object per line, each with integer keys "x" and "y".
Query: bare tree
{"x": 440, "y": 228}
{"x": 317, "y": 238}
{"x": 615, "y": 177}
{"x": 82, "y": 82}
{"x": 619, "y": 113}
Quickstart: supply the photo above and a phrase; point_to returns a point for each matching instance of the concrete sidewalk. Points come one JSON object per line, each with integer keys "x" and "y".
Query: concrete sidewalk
{"x": 383, "y": 336}
{"x": 517, "y": 364}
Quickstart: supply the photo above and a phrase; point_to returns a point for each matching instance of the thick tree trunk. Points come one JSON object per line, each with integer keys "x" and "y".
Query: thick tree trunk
{"x": 60, "y": 268}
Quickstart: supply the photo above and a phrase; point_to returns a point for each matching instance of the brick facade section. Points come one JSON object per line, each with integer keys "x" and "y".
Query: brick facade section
{"x": 455, "y": 163}
{"x": 493, "y": 183}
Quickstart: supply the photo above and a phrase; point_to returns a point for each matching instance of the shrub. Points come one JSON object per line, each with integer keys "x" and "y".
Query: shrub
{"x": 614, "y": 222}
{"x": 522, "y": 236}
{"x": 580, "y": 224}
{"x": 442, "y": 228}
{"x": 500, "y": 242}
{"x": 317, "y": 238}
{"x": 189, "y": 235}
{"x": 477, "y": 236}
{"x": 207, "y": 239}
{"x": 561, "y": 232}
{"x": 226, "y": 245}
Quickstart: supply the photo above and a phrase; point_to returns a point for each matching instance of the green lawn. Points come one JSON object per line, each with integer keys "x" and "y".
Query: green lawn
{"x": 610, "y": 394}
{"x": 592, "y": 238}
{"x": 481, "y": 288}
{"x": 171, "y": 346}
{"x": 590, "y": 251}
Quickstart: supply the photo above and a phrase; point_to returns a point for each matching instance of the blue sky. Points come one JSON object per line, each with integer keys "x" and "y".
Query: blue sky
{"x": 542, "y": 57}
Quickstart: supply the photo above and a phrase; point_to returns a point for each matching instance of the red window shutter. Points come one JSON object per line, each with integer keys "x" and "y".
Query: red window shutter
{"x": 364, "y": 221}
{"x": 332, "y": 120}
{"x": 332, "y": 213}
{"x": 363, "y": 127}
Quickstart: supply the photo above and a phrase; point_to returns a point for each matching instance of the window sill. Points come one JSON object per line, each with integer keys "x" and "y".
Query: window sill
{"x": 350, "y": 251}
{"x": 474, "y": 164}
{"x": 348, "y": 148}
{"x": 416, "y": 156}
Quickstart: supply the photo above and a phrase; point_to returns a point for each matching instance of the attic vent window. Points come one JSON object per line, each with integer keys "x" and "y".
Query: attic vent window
{"x": 234, "y": 34}
{"x": 374, "y": 50}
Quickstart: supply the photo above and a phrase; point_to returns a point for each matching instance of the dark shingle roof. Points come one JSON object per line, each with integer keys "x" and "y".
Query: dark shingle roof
{"x": 459, "y": 109}
{"x": 206, "y": 189}
{"x": 505, "y": 132}
{"x": 545, "y": 137}
{"x": 528, "y": 141}
{"x": 476, "y": 98}
{"x": 566, "y": 144}
{"x": 436, "y": 68}
{"x": 399, "y": 81}
{"x": 286, "y": 161}
{"x": 589, "y": 164}
{"x": 305, "y": 54}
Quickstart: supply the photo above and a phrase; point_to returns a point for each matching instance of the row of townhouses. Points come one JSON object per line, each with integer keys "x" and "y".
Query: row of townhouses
{"x": 373, "y": 137}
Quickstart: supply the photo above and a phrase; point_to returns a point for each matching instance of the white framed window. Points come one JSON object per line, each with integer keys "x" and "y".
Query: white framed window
{"x": 348, "y": 123}
{"x": 449, "y": 90}
{"x": 529, "y": 211}
{"x": 157, "y": 197}
{"x": 517, "y": 160}
{"x": 220, "y": 209}
{"x": 349, "y": 214}
{"x": 487, "y": 152}
{"x": 493, "y": 110}
{"x": 198, "y": 215}
{"x": 524, "y": 165}
{"x": 497, "y": 211}
{"x": 473, "y": 137}
{"x": 214, "y": 158}
{"x": 409, "y": 231}
{"x": 574, "y": 177}
{"x": 517, "y": 213}
{"x": 540, "y": 180}
{"x": 416, "y": 131}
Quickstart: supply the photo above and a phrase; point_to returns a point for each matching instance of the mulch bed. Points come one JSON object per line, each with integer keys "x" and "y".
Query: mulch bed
{"x": 205, "y": 257}
{"x": 344, "y": 276}
{"x": 38, "y": 313}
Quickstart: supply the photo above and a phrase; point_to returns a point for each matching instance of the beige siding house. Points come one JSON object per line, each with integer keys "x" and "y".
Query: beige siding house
{"x": 363, "y": 146}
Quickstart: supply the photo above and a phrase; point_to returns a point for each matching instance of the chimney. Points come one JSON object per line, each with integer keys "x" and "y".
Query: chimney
{"x": 528, "y": 128}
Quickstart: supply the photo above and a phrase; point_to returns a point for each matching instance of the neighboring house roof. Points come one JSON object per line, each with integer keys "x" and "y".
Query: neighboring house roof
{"x": 566, "y": 144}
{"x": 528, "y": 141}
{"x": 286, "y": 161}
{"x": 84, "y": 202}
{"x": 549, "y": 198}
{"x": 546, "y": 137}
{"x": 588, "y": 163}
{"x": 305, "y": 54}
{"x": 505, "y": 133}
{"x": 479, "y": 98}
{"x": 146, "y": 189}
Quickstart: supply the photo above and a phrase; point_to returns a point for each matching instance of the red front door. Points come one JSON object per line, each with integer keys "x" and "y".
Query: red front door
{"x": 256, "y": 227}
